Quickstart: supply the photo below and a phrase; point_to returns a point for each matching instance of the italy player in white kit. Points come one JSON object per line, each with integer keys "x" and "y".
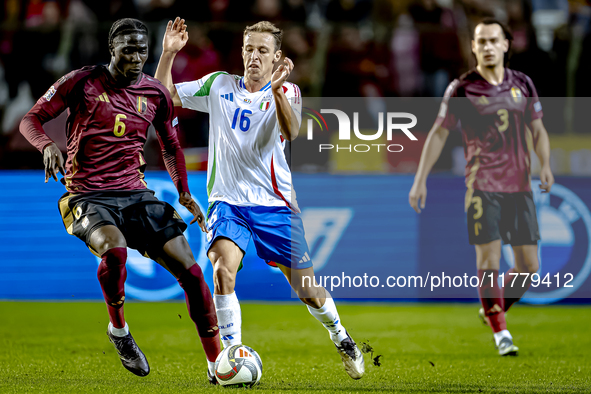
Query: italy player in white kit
{"x": 249, "y": 182}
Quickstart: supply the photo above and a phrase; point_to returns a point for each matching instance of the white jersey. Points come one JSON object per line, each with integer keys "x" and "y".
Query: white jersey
{"x": 246, "y": 165}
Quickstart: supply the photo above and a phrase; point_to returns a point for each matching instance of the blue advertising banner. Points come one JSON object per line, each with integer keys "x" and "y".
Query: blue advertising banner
{"x": 365, "y": 242}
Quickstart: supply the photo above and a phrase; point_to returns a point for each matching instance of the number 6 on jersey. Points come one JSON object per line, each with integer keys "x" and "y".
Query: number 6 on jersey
{"x": 119, "y": 128}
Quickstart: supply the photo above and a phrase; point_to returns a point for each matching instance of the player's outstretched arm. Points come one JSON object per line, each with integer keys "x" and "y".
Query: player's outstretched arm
{"x": 288, "y": 122}
{"x": 431, "y": 152}
{"x": 542, "y": 149}
{"x": 175, "y": 38}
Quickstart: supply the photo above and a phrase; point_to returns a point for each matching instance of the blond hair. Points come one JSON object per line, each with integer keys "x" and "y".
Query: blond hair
{"x": 266, "y": 27}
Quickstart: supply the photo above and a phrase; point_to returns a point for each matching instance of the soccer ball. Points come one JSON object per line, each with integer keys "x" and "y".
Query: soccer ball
{"x": 238, "y": 366}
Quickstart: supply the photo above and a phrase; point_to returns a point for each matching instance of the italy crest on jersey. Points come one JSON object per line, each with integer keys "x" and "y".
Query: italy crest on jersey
{"x": 266, "y": 103}
{"x": 142, "y": 104}
{"x": 516, "y": 93}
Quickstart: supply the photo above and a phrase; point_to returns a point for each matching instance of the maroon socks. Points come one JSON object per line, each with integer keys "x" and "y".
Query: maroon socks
{"x": 491, "y": 297}
{"x": 111, "y": 275}
{"x": 201, "y": 310}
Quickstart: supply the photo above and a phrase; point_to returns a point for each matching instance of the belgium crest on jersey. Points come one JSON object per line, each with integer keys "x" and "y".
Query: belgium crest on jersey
{"x": 142, "y": 104}
{"x": 516, "y": 93}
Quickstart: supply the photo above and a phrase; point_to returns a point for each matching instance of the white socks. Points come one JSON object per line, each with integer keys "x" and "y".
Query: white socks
{"x": 211, "y": 367}
{"x": 118, "y": 332}
{"x": 329, "y": 317}
{"x": 227, "y": 309}
{"x": 500, "y": 335}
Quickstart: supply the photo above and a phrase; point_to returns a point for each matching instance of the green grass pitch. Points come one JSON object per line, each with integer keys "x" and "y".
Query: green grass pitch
{"x": 62, "y": 348}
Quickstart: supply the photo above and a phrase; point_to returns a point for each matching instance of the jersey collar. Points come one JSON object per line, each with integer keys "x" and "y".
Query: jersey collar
{"x": 264, "y": 88}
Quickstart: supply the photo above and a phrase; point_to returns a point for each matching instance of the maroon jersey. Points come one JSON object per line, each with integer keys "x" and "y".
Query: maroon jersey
{"x": 107, "y": 128}
{"x": 493, "y": 120}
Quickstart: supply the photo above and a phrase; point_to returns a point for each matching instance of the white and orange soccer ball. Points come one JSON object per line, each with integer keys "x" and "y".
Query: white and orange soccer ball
{"x": 238, "y": 366}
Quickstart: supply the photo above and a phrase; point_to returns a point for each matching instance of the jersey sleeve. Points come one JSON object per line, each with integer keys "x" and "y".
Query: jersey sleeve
{"x": 195, "y": 94}
{"x": 166, "y": 124}
{"x": 294, "y": 96}
{"x": 448, "y": 111}
{"x": 55, "y": 101}
{"x": 534, "y": 106}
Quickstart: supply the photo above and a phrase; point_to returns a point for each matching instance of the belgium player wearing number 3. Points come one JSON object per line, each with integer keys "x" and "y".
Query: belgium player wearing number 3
{"x": 493, "y": 106}
{"x": 249, "y": 182}
{"x": 108, "y": 204}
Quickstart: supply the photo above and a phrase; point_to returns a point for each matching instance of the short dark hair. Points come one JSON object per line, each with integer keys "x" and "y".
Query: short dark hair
{"x": 493, "y": 21}
{"x": 266, "y": 27}
{"x": 126, "y": 26}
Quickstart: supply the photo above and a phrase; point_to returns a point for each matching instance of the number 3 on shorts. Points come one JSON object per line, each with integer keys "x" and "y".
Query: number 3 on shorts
{"x": 477, "y": 201}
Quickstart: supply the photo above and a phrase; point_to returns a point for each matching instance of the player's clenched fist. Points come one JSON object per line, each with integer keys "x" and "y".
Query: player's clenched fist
{"x": 176, "y": 36}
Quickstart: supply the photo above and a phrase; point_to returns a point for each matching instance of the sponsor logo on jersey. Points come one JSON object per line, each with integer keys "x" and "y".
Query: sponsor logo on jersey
{"x": 228, "y": 96}
{"x": 102, "y": 97}
{"x": 49, "y": 94}
{"x": 265, "y": 104}
{"x": 142, "y": 104}
{"x": 248, "y": 101}
{"x": 516, "y": 93}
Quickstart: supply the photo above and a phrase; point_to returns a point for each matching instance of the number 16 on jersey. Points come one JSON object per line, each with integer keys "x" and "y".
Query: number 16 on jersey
{"x": 244, "y": 122}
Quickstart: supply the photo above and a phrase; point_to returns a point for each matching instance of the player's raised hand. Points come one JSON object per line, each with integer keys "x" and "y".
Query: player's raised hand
{"x": 418, "y": 196}
{"x": 187, "y": 201}
{"x": 280, "y": 75}
{"x": 53, "y": 161}
{"x": 547, "y": 179}
{"x": 176, "y": 36}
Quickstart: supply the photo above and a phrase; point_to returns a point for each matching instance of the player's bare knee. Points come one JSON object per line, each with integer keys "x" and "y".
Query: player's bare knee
{"x": 487, "y": 259}
{"x": 105, "y": 238}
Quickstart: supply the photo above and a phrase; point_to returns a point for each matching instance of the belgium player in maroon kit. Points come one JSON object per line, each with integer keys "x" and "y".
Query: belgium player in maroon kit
{"x": 108, "y": 204}
{"x": 493, "y": 106}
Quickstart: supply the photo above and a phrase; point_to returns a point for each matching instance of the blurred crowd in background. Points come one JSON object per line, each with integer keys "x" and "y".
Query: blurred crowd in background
{"x": 340, "y": 48}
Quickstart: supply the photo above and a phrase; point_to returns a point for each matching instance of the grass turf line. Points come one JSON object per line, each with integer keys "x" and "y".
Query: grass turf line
{"x": 62, "y": 348}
